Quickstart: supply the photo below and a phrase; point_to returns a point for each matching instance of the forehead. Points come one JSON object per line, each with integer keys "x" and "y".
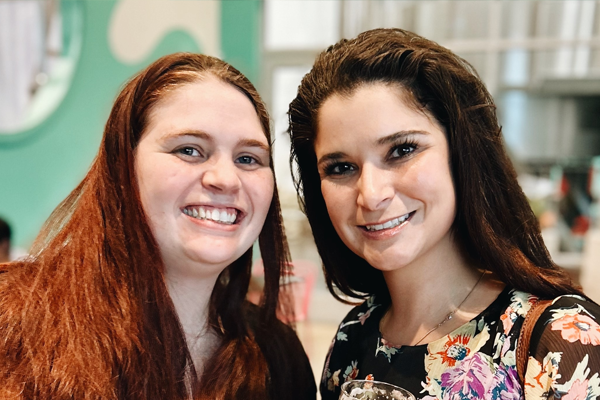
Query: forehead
{"x": 371, "y": 109}
{"x": 207, "y": 104}
{"x": 394, "y": 89}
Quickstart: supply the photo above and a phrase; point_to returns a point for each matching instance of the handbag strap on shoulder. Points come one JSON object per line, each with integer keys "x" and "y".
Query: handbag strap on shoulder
{"x": 522, "y": 354}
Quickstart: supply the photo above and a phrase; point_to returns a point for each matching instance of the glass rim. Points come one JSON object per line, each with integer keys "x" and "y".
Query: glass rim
{"x": 404, "y": 391}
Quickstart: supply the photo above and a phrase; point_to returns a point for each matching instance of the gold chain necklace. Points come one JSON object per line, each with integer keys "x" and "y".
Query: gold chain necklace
{"x": 449, "y": 316}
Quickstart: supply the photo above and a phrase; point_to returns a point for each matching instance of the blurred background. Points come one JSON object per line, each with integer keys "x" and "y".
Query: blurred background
{"x": 63, "y": 62}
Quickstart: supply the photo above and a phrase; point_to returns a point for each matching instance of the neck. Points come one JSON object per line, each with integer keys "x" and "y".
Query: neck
{"x": 424, "y": 292}
{"x": 191, "y": 298}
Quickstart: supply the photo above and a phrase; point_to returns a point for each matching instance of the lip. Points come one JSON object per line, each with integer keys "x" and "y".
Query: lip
{"x": 241, "y": 215}
{"x": 387, "y": 232}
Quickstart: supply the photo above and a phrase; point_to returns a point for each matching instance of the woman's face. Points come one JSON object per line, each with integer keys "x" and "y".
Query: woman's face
{"x": 203, "y": 172}
{"x": 385, "y": 176}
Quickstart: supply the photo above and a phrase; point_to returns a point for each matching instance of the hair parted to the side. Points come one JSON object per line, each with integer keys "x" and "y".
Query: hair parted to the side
{"x": 88, "y": 315}
{"x": 494, "y": 224}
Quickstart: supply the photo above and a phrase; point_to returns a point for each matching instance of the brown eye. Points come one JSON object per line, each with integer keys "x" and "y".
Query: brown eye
{"x": 403, "y": 150}
{"x": 339, "y": 169}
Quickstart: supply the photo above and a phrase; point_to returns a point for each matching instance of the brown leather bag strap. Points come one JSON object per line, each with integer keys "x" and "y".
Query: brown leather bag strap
{"x": 531, "y": 319}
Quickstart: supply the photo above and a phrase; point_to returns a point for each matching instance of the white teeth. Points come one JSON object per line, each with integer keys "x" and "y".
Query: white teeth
{"x": 389, "y": 224}
{"x": 218, "y": 215}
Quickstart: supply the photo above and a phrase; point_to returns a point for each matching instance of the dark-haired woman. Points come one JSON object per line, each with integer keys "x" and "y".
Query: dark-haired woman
{"x": 136, "y": 288}
{"x": 415, "y": 208}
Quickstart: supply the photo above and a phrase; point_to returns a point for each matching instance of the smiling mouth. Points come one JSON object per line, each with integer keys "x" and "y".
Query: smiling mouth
{"x": 226, "y": 216}
{"x": 389, "y": 224}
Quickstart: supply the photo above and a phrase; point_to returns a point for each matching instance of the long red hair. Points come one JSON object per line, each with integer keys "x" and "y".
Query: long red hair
{"x": 88, "y": 315}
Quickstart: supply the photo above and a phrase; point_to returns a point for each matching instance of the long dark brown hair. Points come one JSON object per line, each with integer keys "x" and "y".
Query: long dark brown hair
{"x": 88, "y": 315}
{"x": 494, "y": 224}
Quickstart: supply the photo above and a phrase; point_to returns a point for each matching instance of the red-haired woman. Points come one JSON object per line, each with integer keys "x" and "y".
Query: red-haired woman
{"x": 136, "y": 286}
{"x": 415, "y": 207}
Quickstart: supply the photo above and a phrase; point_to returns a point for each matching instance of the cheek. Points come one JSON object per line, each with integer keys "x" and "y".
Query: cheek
{"x": 144, "y": 183}
{"x": 148, "y": 197}
{"x": 151, "y": 199}
{"x": 432, "y": 173}
{"x": 434, "y": 185}
{"x": 261, "y": 190}
{"x": 158, "y": 185}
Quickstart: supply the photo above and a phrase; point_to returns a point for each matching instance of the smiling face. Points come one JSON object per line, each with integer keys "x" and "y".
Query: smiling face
{"x": 204, "y": 176}
{"x": 385, "y": 177}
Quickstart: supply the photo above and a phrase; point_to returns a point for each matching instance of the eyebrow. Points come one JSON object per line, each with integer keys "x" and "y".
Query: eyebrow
{"x": 390, "y": 139}
{"x": 193, "y": 133}
{"x": 395, "y": 137}
{"x": 210, "y": 138}
{"x": 254, "y": 143}
{"x": 331, "y": 157}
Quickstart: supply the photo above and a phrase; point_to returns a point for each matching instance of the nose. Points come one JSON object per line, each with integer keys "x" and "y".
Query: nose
{"x": 375, "y": 188}
{"x": 221, "y": 175}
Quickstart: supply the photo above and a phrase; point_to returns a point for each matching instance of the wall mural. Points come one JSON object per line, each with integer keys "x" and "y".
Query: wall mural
{"x": 199, "y": 19}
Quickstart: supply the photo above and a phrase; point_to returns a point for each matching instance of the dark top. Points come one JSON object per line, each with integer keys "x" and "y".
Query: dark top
{"x": 291, "y": 376}
{"x": 477, "y": 360}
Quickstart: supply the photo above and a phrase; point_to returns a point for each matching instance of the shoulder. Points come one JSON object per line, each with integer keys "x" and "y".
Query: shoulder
{"x": 571, "y": 319}
{"x": 520, "y": 302}
{"x": 360, "y": 319}
{"x": 365, "y": 315}
{"x": 368, "y": 310}
{"x": 565, "y": 315}
{"x": 287, "y": 361}
{"x": 351, "y": 338}
{"x": 509, "y": 310}
{"x": 565, "y": 348}
{"x": 275, "y": 332}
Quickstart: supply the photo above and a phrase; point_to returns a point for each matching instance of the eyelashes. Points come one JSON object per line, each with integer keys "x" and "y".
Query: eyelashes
{"x": 188, "y": 151}
{"x": 402, "y": 150}
{"x": 252, "y": 161}
{"x": 397, "y": 153}
{"x": 195, "y": 154}
{"x": 337, "y": 168}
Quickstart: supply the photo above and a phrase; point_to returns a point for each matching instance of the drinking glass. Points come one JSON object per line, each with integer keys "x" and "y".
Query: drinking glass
{"x": 373, "y": 390}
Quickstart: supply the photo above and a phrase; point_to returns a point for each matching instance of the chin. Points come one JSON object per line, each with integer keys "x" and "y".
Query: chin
{"x": 389, "y": 267}
{"x": 214, "y": 252}
{"x": 387, "y": 263}
{"x": 222, "y": 262}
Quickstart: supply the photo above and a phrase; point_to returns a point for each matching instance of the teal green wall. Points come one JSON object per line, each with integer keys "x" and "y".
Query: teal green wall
{"x": 40, "y": 166}
{"x": 241, "y": 21}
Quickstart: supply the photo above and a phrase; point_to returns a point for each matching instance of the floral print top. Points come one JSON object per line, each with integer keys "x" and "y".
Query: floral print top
{"x": 477, "y": 360}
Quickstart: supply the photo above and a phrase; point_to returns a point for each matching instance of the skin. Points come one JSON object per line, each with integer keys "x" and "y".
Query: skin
{"x": 204, "y": 147}
{"x": 383, "y": 160}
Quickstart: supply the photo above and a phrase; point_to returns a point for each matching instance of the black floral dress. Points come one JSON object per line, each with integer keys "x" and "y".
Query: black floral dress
{"x": 477, "y": 360}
